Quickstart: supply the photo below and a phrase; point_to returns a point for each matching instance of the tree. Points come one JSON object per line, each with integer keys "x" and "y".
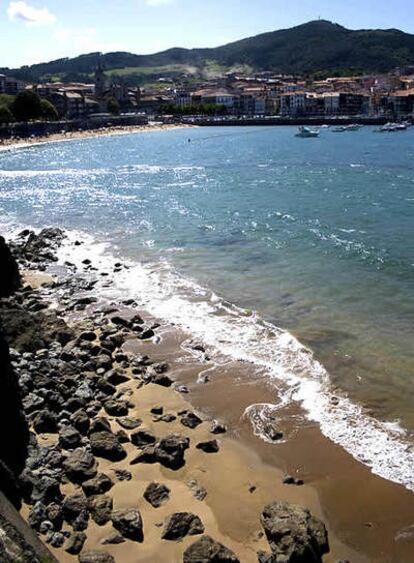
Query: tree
{"x": 112, "y": 106}
{"x": 6, "y": 115}
{"x": 49, "y": 112}
{"x": 27, "y": 105}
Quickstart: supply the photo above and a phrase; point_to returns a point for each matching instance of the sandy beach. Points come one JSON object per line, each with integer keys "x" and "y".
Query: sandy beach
{"x": 226, "y": 489}
{"x": 10, "y": 143}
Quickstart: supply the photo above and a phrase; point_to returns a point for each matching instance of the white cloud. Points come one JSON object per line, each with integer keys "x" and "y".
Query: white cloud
{"x": 158, "y": 2}
{"x": 30, "y": 15}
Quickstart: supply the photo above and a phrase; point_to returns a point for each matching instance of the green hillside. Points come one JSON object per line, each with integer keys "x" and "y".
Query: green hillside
{"x": 312, "y": 47}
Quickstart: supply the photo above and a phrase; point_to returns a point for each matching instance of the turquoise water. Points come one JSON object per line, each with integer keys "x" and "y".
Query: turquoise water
{"x": 316, "y": 235}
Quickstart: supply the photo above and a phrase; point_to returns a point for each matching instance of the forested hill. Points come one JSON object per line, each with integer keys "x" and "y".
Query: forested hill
{"x": 308, "y": 48}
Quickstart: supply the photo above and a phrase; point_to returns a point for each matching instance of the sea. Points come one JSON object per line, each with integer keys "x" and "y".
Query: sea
{"x": 295, "y": 255}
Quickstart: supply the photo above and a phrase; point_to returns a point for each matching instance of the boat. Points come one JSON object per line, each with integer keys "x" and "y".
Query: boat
{"x": 307, "y": 133}
{"x": 392, "y": 127}
{"x": 343, "y": 128}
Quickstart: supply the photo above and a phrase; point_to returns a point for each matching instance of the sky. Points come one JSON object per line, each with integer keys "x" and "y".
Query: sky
{"x": 35, "y": 31}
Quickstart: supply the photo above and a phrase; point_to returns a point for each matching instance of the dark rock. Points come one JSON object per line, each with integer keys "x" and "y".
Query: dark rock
{"x": 165, "y": 418}
{"x": 100, "y": 424}
{"x": 294, "y": 535}
{"x": 157, "y": 410}
{"x": 168, "y": 451}
{"x": 106, "y": 445}
{"x": 157, "y": 494}
{"x": 123, "y": 474}
{"x": 142, "y": 438}
{"x": 45, "y": 422}
{"x": 98, "y": 485}
{"x": 146, "y": 334}
{"x": 113, "y": 539}
{"x": 217, "y": 428}
{"x": 272, "y": 433}
{"x": 75, "y": 542}
{"x": 54, "y": 515}
{"x": 210, "y": 447}
{"x": 116, "y": 377}
{"x": 80, "y": 466}
{"x": 75, "y": 511}
{"x": 87, "y": 335}
{"x": 94, "y": 556}
{"x": 57, "y": 539}
{"x": 10, "y": 277}
{"x": 290, "y": 480}
{"x": 46, "y": 489}
{"x": 122, "y": 436}
{"x": 100, "y": 507}
{"x": 80, "y": 421}
{"x": 129, "y": 423}
{"x": 191, "y": 420}
{"x": 69, "y": 438}
{"x": 207, "y": 550}
{"x": 105, "y": 387}
{"x": 129, "y": 523}
{"x": 115, "y": 408}
{"x": 181, "y": 524}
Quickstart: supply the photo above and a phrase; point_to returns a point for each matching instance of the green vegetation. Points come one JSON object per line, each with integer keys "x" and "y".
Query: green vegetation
{"x": 6, "y": 115}
{"x": 195, "y": 109}
{"x": 318, "y": 46}
{"x": 112, "y": 106}
{"x": 49, "y": 112}
{"x": 26, "y": 106}
{"x": 6, "y": 100}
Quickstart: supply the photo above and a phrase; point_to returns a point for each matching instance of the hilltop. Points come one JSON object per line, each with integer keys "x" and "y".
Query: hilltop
{"x": 316, "y": 46}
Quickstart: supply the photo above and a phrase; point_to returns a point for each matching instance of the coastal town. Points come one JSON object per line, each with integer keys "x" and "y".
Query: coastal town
{"x": 231, "y": 95}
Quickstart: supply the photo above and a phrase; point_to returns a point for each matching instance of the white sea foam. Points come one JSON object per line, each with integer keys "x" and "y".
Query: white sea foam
{"x": 242, "y": 335}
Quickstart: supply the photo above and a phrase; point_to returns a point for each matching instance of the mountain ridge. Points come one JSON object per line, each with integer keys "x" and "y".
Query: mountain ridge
{"x": 315, "y": 46}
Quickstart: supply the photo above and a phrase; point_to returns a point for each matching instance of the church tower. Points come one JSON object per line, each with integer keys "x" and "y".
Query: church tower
{"x": 100, "y": 80}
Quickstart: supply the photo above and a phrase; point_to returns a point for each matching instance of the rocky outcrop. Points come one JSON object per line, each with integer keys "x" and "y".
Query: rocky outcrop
{"x": 294, "y": 535}
{"x": 13, "y": 427}
{"x": 10, "y": 277}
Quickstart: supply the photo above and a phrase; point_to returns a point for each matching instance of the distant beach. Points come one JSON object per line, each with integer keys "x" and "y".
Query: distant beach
{"x": 10, "y": 143}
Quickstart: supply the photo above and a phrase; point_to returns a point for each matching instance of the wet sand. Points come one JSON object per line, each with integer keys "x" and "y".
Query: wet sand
{"x": 368, "y": 517}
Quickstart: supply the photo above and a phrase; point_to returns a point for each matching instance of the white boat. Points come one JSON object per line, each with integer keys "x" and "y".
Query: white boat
{"x": 307, "y": 133}
{"x": 392, "y": 127}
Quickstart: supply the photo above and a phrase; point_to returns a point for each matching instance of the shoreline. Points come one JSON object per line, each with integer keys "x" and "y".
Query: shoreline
{"x": 355, "y": 504}
{"x": 10, "y": 144}
{"x": 222, "y": 483}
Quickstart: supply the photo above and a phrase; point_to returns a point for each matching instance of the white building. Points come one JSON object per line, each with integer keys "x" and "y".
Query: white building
{"x": 293, "y": 103}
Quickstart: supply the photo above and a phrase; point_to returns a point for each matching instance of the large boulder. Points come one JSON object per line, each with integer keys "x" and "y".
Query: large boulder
{"x": 294, "y": 535}
{"x": 168, "y": 451}
{"x": 105, "y": 444}
{"x": 80, "y": 466}
{"x": 129, "y": 523}
{"x": 207, "y": 550}
{"x": 181, "y": 524}
{"x": 157, "y": 494}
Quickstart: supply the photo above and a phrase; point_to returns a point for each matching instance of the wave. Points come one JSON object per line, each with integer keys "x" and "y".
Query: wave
{"x": 238, "y": 334}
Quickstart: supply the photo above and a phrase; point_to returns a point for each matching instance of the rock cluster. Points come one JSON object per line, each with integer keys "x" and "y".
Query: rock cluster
{"x": 73, "y": 383}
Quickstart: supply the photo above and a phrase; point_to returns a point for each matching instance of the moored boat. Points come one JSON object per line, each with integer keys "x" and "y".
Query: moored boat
{"x": 307, "y": 132}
